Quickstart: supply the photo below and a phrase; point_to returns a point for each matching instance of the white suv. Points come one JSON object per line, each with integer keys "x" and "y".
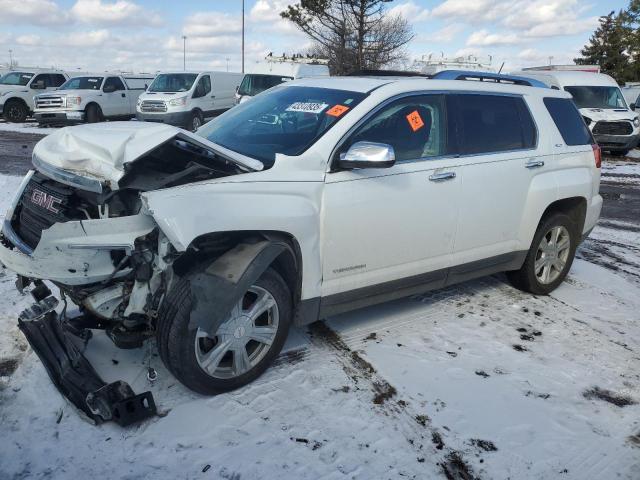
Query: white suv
{"x": 315, "y": 198}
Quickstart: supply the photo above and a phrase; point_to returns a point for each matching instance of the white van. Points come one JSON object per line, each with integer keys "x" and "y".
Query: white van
{"x": 186, "y": 99}
{"x": 276, "y": 70}
{"x": 614, "y": 124}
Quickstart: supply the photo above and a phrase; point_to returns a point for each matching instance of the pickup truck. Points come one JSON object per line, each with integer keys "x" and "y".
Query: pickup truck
{"x": 17, "y": 89}
{"x": 91, "y": 99}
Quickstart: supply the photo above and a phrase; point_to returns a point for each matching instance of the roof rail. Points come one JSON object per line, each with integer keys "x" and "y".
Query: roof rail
{"x": 487, "y": 77}
{"x": 385, "y": 73}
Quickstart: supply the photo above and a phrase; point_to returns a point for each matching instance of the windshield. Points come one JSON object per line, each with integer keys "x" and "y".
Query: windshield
{"x": 253, "y": 84}
{"x": 597, "y": 97}
{"x": 286, "y": 120}
{"x": 82, "y": 83}
{"x": 16, "y": 78}
{"x": 173, "y": 82}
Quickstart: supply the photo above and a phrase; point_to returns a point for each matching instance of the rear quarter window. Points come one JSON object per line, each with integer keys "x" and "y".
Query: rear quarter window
{"x": 570, "y": 123}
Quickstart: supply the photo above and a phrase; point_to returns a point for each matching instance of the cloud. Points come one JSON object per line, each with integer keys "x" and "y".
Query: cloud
{"x": 119, "y": 13}
{"x": 203, "y": 24}
{"x": 530, "y": 18}
{"x": 445, "y": 34}
{"x": 31, "y": 12}
{"x": 410, "y": 11}
{"x": 484, "y": 38}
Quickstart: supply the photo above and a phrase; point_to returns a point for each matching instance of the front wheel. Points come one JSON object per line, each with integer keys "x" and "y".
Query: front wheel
{"x": 242, "y": 348}
{"x": 15, "y": 111}
{"x": 550, "y": 256}
{"x": 195, "y": 121}
{"x": 93, "y": 114}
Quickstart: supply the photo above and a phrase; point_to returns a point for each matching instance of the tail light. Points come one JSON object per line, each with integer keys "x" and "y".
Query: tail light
{"x": 597, "y": 153}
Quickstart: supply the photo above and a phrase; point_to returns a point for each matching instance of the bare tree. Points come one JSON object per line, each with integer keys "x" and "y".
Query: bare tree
{"x": 353, "y": 34}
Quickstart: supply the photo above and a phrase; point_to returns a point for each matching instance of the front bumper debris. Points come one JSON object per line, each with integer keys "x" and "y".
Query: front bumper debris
{"x": 56, "y": 344}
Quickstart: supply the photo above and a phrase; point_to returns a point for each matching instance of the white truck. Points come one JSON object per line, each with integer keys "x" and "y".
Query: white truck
{"x": 187, "y": 99}
{"x": 276, "y": 70}
{"x": 317, "y": 197}
{"x": 91, "y": 99}
{"x": 614, "y": 124}
{"x": 17, "y": 89}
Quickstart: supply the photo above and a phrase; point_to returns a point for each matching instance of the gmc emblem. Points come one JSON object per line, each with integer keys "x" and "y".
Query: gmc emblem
{"x": 45, "y": 200}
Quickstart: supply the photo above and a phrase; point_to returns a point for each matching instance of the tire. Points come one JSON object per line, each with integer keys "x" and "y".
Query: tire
{"x": 93, "y": 113}
{"x": 536, "y": 280}
{"x": 185, "y": 352}
{"x": 15, "y": 111}
{"x": 619, "y": 153}
{"x": 195, "y": 121}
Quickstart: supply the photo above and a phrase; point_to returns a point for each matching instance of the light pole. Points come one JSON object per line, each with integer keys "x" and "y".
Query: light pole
{"x": 10, "y": 58}
{"x": 242, "y": 36}
{"x": 184, "y": 52}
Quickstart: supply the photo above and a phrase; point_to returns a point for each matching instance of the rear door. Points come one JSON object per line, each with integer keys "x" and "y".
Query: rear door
{"x": 390, "y": 229}
{"x": 499, "y": 158}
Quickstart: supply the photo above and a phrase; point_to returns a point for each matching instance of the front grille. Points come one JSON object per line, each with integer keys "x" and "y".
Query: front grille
{"x": 153, "y": 106}
{"x": 50, "y": 101}
{"x": 43, "y": 203}
{"x": 613, "y": 128}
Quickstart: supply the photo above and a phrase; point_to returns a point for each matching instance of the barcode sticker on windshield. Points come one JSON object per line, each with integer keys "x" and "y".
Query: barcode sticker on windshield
{"x": 307, "y": 107}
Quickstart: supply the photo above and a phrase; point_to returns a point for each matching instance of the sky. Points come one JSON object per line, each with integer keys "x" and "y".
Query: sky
{"x": 146, "y": 35}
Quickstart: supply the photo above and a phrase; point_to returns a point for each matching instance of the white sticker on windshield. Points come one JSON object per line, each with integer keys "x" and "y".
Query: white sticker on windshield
{"x": 307, "y": 107}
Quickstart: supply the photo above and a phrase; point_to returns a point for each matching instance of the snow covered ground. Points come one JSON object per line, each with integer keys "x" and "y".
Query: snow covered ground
{"x": 27, "y": 127}
{"x": 475, "y": 381}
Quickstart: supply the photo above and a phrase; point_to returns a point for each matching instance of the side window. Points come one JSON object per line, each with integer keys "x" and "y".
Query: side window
{"x": 493, "y": 123}
{"x": 42, "y": 80}
{"x": 569, "y": 121}
{"x": 414, "y": 126}
{"x": 55, "y": 80}
{"x": 203, "y": 87}
{"x": 114, "y": 82}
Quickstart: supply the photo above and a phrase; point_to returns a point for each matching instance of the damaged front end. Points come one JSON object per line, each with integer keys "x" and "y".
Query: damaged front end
{"x": 78, "y": 222}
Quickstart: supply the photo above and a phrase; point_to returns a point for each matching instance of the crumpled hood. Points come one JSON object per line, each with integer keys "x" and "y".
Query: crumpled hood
{"x": 101, "y": 150}
{"x": 598, "y": 114}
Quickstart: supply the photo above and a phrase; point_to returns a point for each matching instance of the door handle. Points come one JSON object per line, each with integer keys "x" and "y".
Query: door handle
{"x": 441, "y": 177}
{"x": 213, "y": 96}
{"x": 534, "y": 164}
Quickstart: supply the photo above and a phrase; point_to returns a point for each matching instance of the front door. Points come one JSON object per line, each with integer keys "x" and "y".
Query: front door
{"x": 386, "y": 229}
{"x": 115, "y": 101}
{"x": 203, "y": 98}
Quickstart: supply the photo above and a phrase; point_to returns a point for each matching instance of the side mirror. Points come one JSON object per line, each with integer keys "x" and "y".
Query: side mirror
{"x": 109, "y": 88}
{"x": 39, "y": 85}
{"x": 633, "y": 107}
{"x": 368, "y": 155}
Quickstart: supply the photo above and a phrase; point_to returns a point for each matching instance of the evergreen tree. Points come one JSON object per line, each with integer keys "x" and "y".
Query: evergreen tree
{"x": 609, "y": 47}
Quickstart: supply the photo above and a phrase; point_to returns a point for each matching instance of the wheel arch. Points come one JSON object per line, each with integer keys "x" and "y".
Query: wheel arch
{"x": 574, "y": 207}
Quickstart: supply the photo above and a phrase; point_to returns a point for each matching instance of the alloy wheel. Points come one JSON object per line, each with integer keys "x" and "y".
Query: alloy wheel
{"x": 552, "y": 255}
{"x": 243, "y": 340}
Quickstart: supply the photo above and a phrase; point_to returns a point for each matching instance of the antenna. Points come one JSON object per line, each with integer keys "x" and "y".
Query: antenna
{"x": 501, "y": 66}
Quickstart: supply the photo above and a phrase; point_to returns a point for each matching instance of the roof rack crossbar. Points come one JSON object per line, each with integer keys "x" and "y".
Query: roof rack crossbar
{"x": 487, "y": 77}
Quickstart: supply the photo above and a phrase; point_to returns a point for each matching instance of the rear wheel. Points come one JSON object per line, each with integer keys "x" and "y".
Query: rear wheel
{"x": 15, "y": 111}
{"x": 550, "y": 256}
{"x": 242, "y": 348}
{"x": 94, "y": 113}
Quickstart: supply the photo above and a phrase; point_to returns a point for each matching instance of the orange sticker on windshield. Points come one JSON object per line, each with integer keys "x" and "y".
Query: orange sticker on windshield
{"x": 337, "y": 110}
{"x": 415, "y": 121}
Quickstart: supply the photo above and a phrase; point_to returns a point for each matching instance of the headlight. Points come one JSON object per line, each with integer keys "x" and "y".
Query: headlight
{"x": 71, "y": 101}
{"x": 178, "y": 102}
{"x": 139, "y": 102}
{"x": 636, "y": 122}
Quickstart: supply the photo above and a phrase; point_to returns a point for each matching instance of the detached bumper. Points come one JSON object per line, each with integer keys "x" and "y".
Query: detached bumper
{"x": 617, "y": 142}
{"x": 60, "y": 118}
{"x": 177, "y": 119}
{"x": 73, "y": 375}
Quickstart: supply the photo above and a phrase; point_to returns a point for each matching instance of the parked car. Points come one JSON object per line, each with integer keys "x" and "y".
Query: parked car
{"x": 91, "y": 99}
{"x": 615, "y": 126}
{"x": 276, "y": 70}
{"x": 187, "y": 99}
{"x": 315, "y": 198}
{"x": 17, "y": 89}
